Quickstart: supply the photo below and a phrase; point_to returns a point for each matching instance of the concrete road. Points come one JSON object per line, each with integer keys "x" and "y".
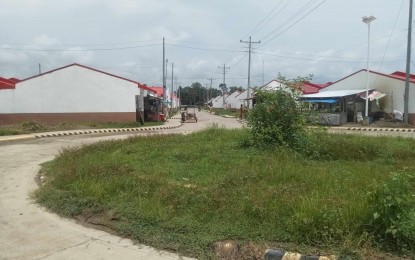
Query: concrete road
{"x": 29, "y": 232}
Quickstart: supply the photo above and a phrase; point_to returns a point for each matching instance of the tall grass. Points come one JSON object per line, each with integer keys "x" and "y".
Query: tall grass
{"x": 186, "y": 192}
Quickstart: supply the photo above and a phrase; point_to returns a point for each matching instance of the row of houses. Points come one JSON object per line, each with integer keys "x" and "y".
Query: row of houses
{"x": 344, "y": 100}
{"x": 81, "y": 94}
{"x": 237, "y": 98}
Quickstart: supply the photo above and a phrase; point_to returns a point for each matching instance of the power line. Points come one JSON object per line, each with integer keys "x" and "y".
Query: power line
{"x": 198, "y": 48}
{"x": 309, "y": 59}
{"x": 302, "y": 9}
{"x": 77, "y": 45}
{"x": 254, "y": 30}
{"x": 390, "y": 36}
{"x": 239, "y": 61}
{"x": 294, "y": 23}
{"x": 206, "y": 43}
{"x": 80, "y": 50}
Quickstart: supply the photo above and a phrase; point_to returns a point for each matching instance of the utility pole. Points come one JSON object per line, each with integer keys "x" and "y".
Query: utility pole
{"x": 165, "y": 97}
{"x": 164, "y": 72}
{"x": 408, "y": 67}
{"x": 179, "y": 95}
{"x": 210, "y": 89}
{"x": 171, "y": 94}
{"x": 249, "y": 65}
{"x": 207, "y": 93}
{"x": 177, "y": 92}
{"x": 224, "y": 73}
{"x": 40, "y": 70}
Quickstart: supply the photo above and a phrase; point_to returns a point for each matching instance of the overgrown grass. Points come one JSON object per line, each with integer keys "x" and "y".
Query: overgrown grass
{"x": 186, "y": 192}
{"x": 8, "y": 132}
{"x": 36, "y": 127}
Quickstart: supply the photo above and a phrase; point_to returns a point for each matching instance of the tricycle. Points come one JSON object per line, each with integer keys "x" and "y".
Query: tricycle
{"x": 188, "y": 114}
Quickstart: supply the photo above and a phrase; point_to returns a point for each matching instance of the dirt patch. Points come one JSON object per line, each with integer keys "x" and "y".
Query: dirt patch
{"x": 231, "y": 250}
{"x": 105, "y": 221}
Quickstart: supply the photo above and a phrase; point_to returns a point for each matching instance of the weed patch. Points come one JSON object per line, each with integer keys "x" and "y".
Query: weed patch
{"x": 186, "y": 193}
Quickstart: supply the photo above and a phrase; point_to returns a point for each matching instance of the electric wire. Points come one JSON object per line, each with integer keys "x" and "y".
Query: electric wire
{"x": 296, "y": 14}
{"x": 77, "y": 45}
{"x": 391, "y": 34}
{"x": 294, "y": 23}
{"x": 198, "y": 48}
{"x": 78, "y": 50}
{"x": 256, "y": 29}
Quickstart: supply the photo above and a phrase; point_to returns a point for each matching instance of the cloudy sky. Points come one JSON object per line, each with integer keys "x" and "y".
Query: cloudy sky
{"x": 326, "y": 38}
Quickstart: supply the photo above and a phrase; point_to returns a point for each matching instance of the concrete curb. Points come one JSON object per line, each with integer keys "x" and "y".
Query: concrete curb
{"x": 362, "y": 129}
{"x": 100, "y": 131}
{"x": 370, "y": 129}
{"x": 274, "y": 254}
{"x": 10, "y": 138}
{"x": 83, "y": 132}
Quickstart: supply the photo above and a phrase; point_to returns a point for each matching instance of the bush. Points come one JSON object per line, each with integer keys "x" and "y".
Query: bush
{"x": 32, "y": 126}
{"x": 277, "y": 118}
{"x": 393, "y": 212}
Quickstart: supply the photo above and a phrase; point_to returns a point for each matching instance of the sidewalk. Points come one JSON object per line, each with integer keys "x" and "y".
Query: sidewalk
{"x": 169, "y": 124}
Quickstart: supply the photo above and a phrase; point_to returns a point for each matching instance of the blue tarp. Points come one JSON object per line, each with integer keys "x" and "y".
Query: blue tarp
{"x": 320, "y": 100}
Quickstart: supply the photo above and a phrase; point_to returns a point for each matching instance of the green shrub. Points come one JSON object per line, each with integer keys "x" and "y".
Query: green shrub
{"x": 277, "y": 118}
{"x": 32, "y": 126}
{"x": 393, "y": 212}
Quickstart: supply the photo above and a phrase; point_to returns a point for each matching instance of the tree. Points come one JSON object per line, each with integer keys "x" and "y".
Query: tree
{"x": 234, "y": 88}
{"x": 194, "y": 95}
{"x": 215, "y": 92}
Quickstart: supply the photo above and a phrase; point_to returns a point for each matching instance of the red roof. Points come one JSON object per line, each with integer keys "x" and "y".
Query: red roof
{"x": 158, "y": 90}
{"x": 321, "y": 86}
{"x": 14, "y": 80}
{"x": 139, "y": 85}
{"x": 402, "y": 76}
{"x": 6, "y": 84}
{"x": 396, "y": 75}
{"x": 311, "y": 88}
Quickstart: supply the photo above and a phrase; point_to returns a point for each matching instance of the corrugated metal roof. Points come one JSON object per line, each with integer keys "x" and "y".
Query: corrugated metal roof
{"x": 335, "y": 93}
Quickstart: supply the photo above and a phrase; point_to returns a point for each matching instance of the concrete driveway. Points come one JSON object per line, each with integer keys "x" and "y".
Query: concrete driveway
{"x": 29, "y": 232}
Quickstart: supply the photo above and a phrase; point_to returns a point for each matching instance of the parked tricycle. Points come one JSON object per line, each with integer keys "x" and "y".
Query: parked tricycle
{"x": 188, "y": 114}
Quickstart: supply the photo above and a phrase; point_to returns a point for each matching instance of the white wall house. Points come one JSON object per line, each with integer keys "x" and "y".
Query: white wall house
{"x": 73, "y": 93}
{"x": 218, "y": 102}
{"x": 393, "y": 85}
{"x": 232, "y": 101}
{"x": 244, "y": 99}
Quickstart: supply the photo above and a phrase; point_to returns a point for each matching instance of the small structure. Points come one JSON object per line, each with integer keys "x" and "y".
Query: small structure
{"x": 232, "y": 102}
{"x": 348, "y": 95}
